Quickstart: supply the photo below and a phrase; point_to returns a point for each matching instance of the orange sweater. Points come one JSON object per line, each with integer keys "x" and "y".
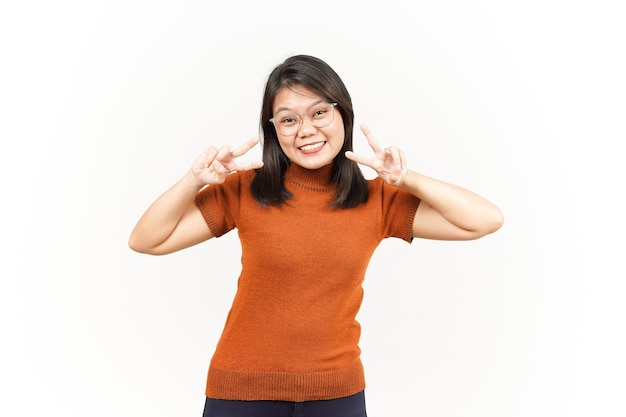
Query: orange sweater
{"x": 291, "y": 333}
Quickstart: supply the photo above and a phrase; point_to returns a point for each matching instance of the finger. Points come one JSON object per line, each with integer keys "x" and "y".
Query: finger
{"x": 402, "y": 161}
{"x": 243, "y": 149}
{"x": 206, "y": 158}
{"x": 395, "y": 156}
{"x": 370, "y": 138}
{"x": 223, "y": 152}
{"x": 398, "y": 157}
{"x": 403, "y": 168}
{"x": 247, "y": 166}
{"x": 358, "y": 159}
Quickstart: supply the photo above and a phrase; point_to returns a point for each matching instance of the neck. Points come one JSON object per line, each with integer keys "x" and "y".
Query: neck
{"x": 311, "y": 179}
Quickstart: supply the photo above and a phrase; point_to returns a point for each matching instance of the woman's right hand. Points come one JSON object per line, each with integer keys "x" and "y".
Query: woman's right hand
{"x": 214, "y": 165}
{"x": 173, "y": 221}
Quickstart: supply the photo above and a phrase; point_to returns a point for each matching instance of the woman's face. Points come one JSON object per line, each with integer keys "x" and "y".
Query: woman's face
{"x": 310, "y": 147}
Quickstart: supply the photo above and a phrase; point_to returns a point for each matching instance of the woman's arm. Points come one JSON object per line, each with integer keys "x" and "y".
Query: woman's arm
{"x": 174, "y": 222}
{"x": 446, "y": 211}
{"x": 449, "y": 212}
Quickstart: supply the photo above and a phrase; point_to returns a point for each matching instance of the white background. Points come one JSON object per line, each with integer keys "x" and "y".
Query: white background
{"x": 105, "y": 104}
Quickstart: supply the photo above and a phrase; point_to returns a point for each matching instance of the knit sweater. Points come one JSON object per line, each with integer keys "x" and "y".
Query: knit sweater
{"x": 291, "y": 333}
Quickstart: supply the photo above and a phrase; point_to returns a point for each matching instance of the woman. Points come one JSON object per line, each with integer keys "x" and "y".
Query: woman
{"x": 308, "y": 222}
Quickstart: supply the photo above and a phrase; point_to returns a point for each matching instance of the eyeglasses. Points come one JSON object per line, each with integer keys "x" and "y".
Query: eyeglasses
{"x": 320, "y": 115}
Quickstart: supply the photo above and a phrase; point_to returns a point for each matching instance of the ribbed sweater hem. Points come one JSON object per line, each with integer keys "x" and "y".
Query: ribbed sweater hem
{"x": 284, "y": 386}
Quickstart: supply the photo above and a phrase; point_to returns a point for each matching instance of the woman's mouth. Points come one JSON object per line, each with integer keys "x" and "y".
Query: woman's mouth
{"x": 312, "y": 148}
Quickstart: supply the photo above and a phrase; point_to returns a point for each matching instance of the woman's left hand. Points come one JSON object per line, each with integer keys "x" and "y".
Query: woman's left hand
{"x": 389, "y": 163}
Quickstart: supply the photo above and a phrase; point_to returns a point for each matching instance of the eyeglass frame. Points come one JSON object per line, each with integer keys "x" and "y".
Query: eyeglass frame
{"x": 300, "y": 117}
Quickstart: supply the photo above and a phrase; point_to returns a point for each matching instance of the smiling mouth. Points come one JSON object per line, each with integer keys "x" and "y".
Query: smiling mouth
{"x": 312, "y": 147}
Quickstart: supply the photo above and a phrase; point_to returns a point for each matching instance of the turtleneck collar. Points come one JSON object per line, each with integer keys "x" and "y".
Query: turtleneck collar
{"x": 311, "y": 179}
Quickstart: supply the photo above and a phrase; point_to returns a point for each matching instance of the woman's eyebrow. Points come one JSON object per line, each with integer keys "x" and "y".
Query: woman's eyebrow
{"x": 283, "y": 108}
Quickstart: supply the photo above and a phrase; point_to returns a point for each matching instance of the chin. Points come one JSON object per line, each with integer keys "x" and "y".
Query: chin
{"x": 313, "y": 164}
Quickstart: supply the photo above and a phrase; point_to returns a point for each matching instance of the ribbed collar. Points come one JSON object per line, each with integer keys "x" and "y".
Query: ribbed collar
{"x": 311, "y": 179}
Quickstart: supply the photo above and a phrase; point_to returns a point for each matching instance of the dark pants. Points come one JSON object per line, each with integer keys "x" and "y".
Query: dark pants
{"x": 352, "y": 406}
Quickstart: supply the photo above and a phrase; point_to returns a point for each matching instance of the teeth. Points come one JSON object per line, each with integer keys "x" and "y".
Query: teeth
{"x": 312, "y": 146}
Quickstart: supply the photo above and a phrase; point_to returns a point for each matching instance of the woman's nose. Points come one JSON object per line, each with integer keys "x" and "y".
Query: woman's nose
{"x": 306, "y": 125}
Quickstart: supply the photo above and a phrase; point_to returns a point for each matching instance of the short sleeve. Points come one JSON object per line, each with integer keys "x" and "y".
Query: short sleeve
{"x": 220, "y": 204}
{"x": 398, "y": 208}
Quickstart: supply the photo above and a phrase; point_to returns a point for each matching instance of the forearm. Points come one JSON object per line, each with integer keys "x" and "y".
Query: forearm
{"x": 161, "y": 218}
{"x": 459, "y": 206}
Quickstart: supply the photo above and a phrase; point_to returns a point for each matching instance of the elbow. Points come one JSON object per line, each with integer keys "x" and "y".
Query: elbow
{"x": 493, "y": 223}
{"x": 489, "y": 224}
{"x": 138, "y": 246}
{"x": 498, "y": 220}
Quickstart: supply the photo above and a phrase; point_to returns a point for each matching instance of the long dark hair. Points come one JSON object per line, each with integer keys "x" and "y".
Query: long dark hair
{"x": 268, "y": 186}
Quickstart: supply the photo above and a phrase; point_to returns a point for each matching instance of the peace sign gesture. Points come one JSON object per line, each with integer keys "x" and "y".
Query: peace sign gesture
{"x": 389, "y": 163}
{"x": 213, "y": 165}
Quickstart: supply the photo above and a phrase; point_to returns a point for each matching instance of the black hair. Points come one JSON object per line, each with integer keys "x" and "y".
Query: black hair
{"x": 268, "y": 186}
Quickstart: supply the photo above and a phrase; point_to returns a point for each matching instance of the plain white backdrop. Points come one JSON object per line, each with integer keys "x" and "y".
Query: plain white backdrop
{"x": 103, "y": 105}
